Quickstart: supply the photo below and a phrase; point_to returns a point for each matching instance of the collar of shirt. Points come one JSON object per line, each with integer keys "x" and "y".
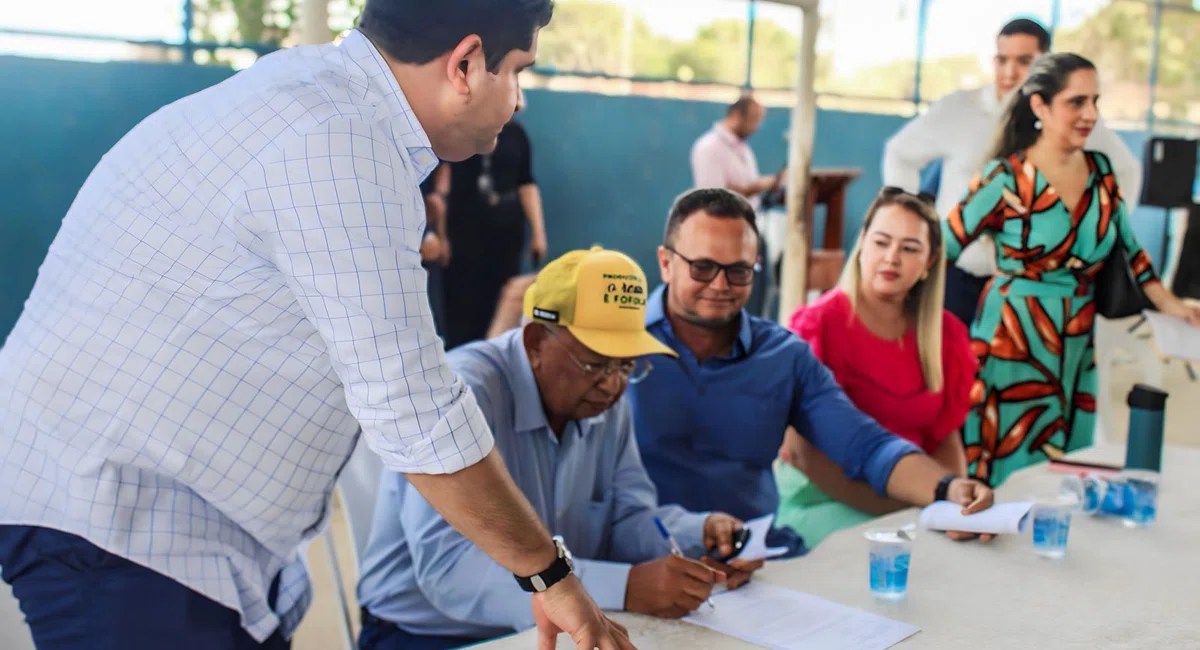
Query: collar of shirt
{"x": 656, "y": 319}
{"x": 529, "y": 415}
{"x": 395, "y": 108}
{"x": 728, "y": 136}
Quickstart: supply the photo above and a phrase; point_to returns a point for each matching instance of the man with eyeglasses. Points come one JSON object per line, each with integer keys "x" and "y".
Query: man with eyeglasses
{"x": 710, "y": 421}
{"x": 551, "y": 391}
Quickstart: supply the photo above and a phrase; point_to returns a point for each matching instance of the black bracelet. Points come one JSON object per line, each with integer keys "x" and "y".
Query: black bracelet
{"x": 943, "y": 487}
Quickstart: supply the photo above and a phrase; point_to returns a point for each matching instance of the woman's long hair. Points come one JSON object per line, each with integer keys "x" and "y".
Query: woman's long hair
{"x": 1019, "y": 127}
{"x": 925, "y": 301}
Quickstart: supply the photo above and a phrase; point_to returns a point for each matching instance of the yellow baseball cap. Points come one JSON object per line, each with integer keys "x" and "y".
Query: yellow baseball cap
{"x": 600, "y": 297}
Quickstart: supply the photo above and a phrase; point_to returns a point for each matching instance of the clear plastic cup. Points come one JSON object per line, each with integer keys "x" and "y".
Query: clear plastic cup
{"x": 1141, "y": 498}
{"x": 1052, "y": 524}
{"x": 1098, "y": 496}
{"x": 891, "y": 551}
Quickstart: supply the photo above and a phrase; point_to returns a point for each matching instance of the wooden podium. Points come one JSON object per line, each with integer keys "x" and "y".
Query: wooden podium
{"x": 825, "y": 263}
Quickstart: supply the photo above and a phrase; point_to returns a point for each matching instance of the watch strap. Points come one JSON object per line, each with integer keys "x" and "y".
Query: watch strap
{"x": 539, "y": 582}
{"x": 943, "y": 487}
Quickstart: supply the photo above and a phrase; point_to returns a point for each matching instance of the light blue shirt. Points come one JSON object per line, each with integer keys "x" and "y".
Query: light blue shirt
{"x": 236, "y": 290}
{"x": 590, "y": 487}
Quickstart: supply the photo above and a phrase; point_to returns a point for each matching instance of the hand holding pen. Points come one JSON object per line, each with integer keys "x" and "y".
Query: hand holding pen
{"x": 671, "y": 586}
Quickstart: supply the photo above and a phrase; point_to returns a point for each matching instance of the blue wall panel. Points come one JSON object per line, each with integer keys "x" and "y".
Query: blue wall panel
{"x": 57, "y": 119}
{"x": 608, "y": 166}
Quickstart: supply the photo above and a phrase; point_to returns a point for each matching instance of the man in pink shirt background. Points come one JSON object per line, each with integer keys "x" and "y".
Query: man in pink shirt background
{"x": 722, "y": 158}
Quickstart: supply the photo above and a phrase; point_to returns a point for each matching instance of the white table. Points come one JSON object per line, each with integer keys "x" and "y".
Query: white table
{"x": 1117, "y": 587}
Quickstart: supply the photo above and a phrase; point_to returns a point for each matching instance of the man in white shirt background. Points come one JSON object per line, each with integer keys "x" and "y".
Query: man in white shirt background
{"x": 958, "y": 128}
{"x": 234, "y": 294}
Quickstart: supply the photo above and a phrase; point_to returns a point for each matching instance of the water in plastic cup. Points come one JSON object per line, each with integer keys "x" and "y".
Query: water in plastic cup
{"x": 890, "y": 555}
{"x": 1141, "y": 498}
{"x": 1052, "y": 524}
{"x": 1098, "y": 496}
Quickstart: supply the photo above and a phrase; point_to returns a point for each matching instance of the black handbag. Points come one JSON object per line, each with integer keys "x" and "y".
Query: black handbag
{"x": 1116, "y": 291}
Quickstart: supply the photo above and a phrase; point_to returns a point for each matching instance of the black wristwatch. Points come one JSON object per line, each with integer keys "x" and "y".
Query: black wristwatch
{"x": 562, "y": 567}
{"x": 943, "y": 487}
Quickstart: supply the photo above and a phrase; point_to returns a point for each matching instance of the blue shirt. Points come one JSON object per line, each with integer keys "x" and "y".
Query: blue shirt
{"x": 590, "y": 487}
{"x": 709, "y": 432}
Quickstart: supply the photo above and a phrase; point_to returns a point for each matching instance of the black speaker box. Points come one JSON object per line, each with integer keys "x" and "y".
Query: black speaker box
{"x": 1187, "y": 274}
{"x": 1169, "y": 172}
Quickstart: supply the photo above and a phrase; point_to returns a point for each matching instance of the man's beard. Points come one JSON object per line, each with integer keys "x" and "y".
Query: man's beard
{"x": 712, "y": 324}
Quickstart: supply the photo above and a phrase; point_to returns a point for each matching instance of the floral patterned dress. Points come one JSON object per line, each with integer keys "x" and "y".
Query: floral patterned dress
{"x": 1032, "y": 332}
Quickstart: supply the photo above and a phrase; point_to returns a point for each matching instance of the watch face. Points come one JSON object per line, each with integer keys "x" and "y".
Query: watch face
{"x": 563, "y": 551}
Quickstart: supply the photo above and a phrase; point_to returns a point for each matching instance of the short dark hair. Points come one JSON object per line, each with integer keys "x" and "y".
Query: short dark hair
{"x": 716, "y": 202}
{"x": 419, "y": 31}
{"x": 1029, "y": 28}
{"x": 742, "y": 105}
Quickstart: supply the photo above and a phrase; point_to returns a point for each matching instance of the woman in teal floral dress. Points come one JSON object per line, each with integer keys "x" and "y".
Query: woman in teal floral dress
{"x": 1055, "y": 212}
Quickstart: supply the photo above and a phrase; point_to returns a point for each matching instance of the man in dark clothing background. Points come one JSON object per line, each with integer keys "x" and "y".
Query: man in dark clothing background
{"x": 490, "y": 199}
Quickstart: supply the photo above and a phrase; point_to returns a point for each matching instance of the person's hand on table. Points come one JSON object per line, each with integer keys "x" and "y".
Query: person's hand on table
{"x": 737, "y": 572}
{"x": 719, "y": 530}
{"x": 1185, "y": 310}
{"x": 974, "y": 496}
{"x": 669, "y": 587}
{"x": 567, "y": 607}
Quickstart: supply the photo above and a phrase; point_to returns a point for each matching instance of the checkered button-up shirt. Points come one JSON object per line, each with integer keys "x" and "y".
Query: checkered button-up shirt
{"x": 236, "y": 289}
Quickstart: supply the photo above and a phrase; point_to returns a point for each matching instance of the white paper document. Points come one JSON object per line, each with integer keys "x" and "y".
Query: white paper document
{"x": 1000, "y": 519}
{"x": 1174, "y": 336}
{"x": 784, "y": 619}
{"x": 756, "y": 547}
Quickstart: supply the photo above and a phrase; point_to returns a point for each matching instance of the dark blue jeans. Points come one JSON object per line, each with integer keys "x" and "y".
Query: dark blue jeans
{"x": 382, "y": 635}
{"x": 76, "y": 596}
{"x": 962, "y": 293}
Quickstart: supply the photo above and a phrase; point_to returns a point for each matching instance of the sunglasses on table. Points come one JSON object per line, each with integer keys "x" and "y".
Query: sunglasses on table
{"x": 738, "y": 274}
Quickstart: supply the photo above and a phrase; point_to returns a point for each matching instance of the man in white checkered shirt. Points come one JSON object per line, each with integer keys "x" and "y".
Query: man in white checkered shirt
{"x": 235, "y": 291}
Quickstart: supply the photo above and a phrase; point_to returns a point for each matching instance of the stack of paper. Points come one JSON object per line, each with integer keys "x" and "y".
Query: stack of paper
{"x": 784, "y": 619}
{"x": 1174, "y": 336}
{"x": 1000, "y": 519}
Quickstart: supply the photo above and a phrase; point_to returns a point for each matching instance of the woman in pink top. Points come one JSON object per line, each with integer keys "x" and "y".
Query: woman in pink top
{"x": 900, "y": 357}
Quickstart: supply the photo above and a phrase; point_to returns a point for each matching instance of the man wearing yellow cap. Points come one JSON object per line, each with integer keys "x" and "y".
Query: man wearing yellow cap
{"x": 552, "y": 393}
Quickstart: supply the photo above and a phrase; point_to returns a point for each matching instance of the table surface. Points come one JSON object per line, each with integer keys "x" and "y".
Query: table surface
{"x": 1117, "y": 588}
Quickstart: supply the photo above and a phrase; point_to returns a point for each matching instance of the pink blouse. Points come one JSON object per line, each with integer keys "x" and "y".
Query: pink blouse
{"x": 884, "y": 378}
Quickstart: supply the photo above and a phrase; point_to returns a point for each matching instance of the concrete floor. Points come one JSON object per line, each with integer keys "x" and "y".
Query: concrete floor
{"x": 322, "y": 628}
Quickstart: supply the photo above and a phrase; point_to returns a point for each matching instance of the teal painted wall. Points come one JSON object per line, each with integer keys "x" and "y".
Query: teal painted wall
{"x": 608, "y": 167}
{"x": 57, "y": 119}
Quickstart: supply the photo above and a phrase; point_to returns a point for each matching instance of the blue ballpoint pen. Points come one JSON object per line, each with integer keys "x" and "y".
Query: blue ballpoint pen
{"x": 675, "y": 550}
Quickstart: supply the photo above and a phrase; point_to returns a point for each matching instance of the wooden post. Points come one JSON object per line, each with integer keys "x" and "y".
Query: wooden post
{"x": 314, "y": 22}
{"x": 793, "y": 285}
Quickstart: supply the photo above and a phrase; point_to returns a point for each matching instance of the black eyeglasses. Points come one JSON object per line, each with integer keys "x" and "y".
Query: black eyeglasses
{"x": 889, "y": 191}
{"x": 738, "y": 274}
